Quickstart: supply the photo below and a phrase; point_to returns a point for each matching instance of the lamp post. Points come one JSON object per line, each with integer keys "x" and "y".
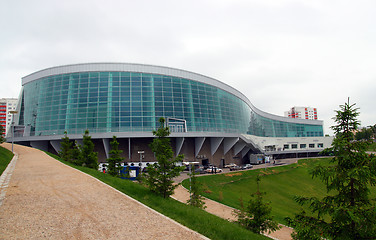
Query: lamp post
{"x": 13, "y": 112}
{"x": 141, "y": 155}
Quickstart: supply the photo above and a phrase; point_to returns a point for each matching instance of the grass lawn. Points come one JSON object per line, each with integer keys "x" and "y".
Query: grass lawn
{"x": 372, "y": 147}
{"x": 281, "y": 184}
{"x": 196, "y": 219}
{"x": 5, "y": 158}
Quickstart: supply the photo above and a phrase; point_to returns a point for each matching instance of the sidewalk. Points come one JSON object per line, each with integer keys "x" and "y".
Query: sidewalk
{"x": 181, "y": 194}
{"x": 46, "y": 199}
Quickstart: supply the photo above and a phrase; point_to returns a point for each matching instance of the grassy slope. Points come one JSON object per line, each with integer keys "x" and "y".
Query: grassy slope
{"x": 194, "y": 218}
{"x": 281, "y": 185}
{"x": 5, "y": 158}
{"x": 372, "y": 147}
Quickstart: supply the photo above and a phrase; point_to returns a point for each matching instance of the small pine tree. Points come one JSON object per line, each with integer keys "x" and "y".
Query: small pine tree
{"x": 76, "y": 154}
{"x": 159, "y": 177}
{"x": 195, "y": 191}
{"x": 88, "y": 157}
{"x": 114, "y": 167}
{"x": 65, "y": 152}
{"x": 2, "y": 139}
{"x": 348, "y": 212}
{"x": 256, "y": 216}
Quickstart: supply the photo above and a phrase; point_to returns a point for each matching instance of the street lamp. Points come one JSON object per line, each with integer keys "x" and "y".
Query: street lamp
{"x": 141, "y": 155}
{"x": 13, "y": 112}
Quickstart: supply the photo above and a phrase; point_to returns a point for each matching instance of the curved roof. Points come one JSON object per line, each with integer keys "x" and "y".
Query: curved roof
{"x": 153, "y": 69}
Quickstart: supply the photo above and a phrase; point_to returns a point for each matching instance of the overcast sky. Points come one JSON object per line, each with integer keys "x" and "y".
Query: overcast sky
{"x": 279, "y": 53}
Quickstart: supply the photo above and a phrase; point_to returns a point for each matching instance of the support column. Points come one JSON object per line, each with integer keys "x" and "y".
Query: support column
{"x": 214, "y": 144}
{"x": 199, "y": 141}
{"x": 238, "y": 147}
{"x": 56, "y": 145}
{"x": 106, "y": 145}
{"x": 245, "y": 151}
{"x": 228, "y": 144}
{"x": 179, "y": 145}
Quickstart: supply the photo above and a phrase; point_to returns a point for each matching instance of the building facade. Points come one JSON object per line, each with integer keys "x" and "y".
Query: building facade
{"x": 209, "y": 120}
{"x": 6, "y": 106}
{"x": 302, "y": 113}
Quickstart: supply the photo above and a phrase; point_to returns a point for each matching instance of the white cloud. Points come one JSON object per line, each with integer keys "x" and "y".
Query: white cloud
{"x": 278, "y": 53}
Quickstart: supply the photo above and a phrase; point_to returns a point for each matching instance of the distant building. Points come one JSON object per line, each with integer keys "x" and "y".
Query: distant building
{"x": 6, "y": 105}
{"x": 302, "y": 113}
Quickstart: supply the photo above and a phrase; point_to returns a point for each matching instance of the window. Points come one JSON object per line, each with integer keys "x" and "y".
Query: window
{"x": 311, "y": 145}
{"x": 320, "y": 145}
{"x": 303, "y": 145}
{"x": 294, "y": 146}
{"x": 286, "y": 146}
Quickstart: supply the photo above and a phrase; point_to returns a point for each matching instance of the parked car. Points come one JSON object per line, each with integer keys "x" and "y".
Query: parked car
{"x": 235, "y": 168}
{"x": 230, "y": 165}
{"x": 200, "y": 170}
{"x": 208, "y": 166}
{"x": 247, "y": 166}
{"x": 213, "y": 170}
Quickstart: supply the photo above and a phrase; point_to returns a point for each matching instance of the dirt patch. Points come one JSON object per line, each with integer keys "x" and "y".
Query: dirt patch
{"x": 233, "y": 174}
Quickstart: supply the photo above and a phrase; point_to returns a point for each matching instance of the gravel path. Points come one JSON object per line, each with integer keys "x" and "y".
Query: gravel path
{"x": 226, "y": 212}
{"x": 46, "y": 199}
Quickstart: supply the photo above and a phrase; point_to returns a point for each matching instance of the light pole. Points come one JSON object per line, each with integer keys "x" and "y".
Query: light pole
{"x": 141, "y": 152}
{"x": 13, "y": 112}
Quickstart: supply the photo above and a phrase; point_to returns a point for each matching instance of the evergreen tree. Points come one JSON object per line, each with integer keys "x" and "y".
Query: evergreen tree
{"x": 256, "y": 216}
{"x": 348, "y": 212}
{"x": 76, "y": 154}
{"x": 114, "y": 167}
{"x": 159, "y": 177}
{"x": 65, "y": 152}
{"x": 195, "y": 190}
{"x": 2, "y": 139}
{"x": 88, "y": 157}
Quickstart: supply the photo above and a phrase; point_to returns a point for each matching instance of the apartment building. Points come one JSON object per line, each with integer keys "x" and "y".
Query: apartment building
{"x": 7, "y": 105}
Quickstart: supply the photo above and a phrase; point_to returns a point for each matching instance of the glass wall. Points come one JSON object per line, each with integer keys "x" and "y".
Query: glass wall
{"x": 129, "y": 102}
{"x": 265, "y": 127}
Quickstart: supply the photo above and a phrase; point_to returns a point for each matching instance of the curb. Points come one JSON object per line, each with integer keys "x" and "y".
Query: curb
{"x": 147, "y": 207}
{"x": 5, "y": 177}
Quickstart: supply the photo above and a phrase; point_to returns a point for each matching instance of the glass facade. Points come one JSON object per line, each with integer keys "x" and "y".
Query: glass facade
{"x": 266, "y": 127}
{"x": 133, "y": 102}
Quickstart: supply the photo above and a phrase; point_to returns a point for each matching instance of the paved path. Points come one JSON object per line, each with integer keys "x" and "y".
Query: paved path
{"x": 46, "y": 199}
{"x": 226, "y": 212}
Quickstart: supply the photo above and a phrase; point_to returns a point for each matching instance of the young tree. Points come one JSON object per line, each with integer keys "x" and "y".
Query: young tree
{"x": 159, "y": 177}
{"x": 373, "y": 129}
{"x": 347, "y": 212}
{"x": 76, "y": 154}
{"x": 195, "y": 191}
{"x": 66, "y": 148}
{"x": 2, "y": 139}
{"x": 114, "y": 167}
{"x": 256, "y": 216}
{"x": 364, "y": 134}
{"x": 88, "y": 157}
